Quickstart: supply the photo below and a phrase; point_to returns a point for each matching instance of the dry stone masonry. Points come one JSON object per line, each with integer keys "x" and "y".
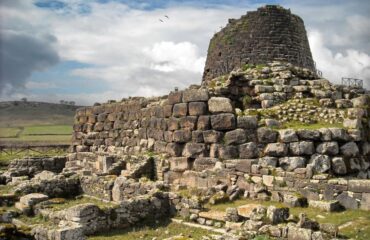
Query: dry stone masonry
{"x": 259, "y": 129}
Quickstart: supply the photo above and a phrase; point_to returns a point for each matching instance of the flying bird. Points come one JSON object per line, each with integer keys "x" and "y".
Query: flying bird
{"x": 166, "y": 16}
{"x": 160, "y": 20}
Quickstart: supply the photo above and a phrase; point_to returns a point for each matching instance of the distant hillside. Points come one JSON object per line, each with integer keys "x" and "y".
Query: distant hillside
{"x": 17, "y": 113}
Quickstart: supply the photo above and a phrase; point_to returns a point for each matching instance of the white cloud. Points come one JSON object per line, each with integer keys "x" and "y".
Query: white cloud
{"x": 350, "y": 63}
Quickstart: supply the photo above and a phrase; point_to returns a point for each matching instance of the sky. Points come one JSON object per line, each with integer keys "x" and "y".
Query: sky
{"x": 91, "y": 51}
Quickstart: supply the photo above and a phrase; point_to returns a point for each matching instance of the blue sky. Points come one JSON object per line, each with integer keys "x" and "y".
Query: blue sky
{"x": 92, "y": 51}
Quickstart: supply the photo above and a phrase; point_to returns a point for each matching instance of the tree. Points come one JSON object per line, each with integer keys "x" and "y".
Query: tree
{"x": 24, "y": 99}
{"x": 62, "y": 102}
{"x": 72, "y": 103}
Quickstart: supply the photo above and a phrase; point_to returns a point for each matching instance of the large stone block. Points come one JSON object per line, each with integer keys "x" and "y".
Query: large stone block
{"x": 182, "y": 136}
{"x": 305, "y": 134}
{"x": 195, "y": 95}
{"x": 320, "y": 163}
{"x": 295, "y": 233}
{"x": 267, "y": 135}
{"x": 179, "y": 164}
{"x": 174, "y": 149}
{"x": 204, "y": 163}
{"x": 329, "y": 148}
{"x": 194, "y": 150}
{"x": 268, "y": 162}
{"x": 247, "y": 122}
{"x": 188, "y": 122}
{"x": 32, "y": 199}
{"x": 212, "y": 136}
{"x": 248, "y": 150}
{"x": 339, "y": 134}
{"x": 348, "y": 201}
{"x": 228, "y": 152}
{"x": 360, "y": 186}
{"x": 197, "y": 108}
{"x": 220, "y": 105}
{"x": 327, "y": 206}
{"x": 350, "y": 149}
{"x": 365, "y": 202}
{"x": 180, "y": 109}
{"x": 175, "y": 97}
{"x": 339, "y": 166}
{"x": 223, "y": 121}
{"x": 288, "y": 135}
{"x": 302, "y": 148}
{"x": 291, "y": 163}
{"x": 237, "y": 136}
{"x": 276, "y": 149}
{"x": 204, "y": 123}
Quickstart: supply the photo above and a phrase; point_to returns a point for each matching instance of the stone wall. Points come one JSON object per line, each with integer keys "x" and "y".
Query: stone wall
{"x": 270, "y": 33}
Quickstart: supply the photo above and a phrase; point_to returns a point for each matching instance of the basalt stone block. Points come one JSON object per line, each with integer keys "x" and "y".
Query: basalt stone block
{"x": 195, "y": 95}
{"x": 276, "y": 149}
{"x": 288, "y": 135}
{"x": 291, "y": 163}
{"x": 325, "y": 134}
{"x": 247, "y": 122}
{"x": 194, "y": 150}
{"x": 175, "y": 97}
{"x": 228, "y": 152}
{"x": 204, "y": 163}
{"x": 173, "y": 124}
{"x": 267, "y": 135}
{"x": 224, "y": 121}
{"x": 302, "y": 148}
{"x": 248, "y": 150}
{"x": 220, "y": 105}
{"x": 197, "y": 108}
{"x": 339, "y": 134}
{"x": 180, "y": 109}
{"x": 179, "y": 164}
{"x": 305, "y": 134}
{"x": 188, "y": 122}
{"x": 174, "y": 149}
{"x": 167, "y": 110}
{"x": 327, "y": 206}
{"x": 197, "y": 136}
{"x": 268, "y": 162}
{"x": 182, "y": 136}
{"x": 339, "y": 166}
{"x": 320, "y": 163}
{"x": 350, "y": 149}
{"x": 204, "y": 123}
{"x": 277, "y": 215}
{"x": 237, "y": 136}
{"x": 347, "y": 201}
{"x": 329, "y": 148}
{"x": 212, "y": 136}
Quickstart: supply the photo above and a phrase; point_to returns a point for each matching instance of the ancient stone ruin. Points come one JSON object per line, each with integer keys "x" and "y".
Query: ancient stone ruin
{"x": 265, "y": 127}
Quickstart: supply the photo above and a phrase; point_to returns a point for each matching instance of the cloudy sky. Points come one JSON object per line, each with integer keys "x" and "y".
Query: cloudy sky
{"x": 95, "y": 50}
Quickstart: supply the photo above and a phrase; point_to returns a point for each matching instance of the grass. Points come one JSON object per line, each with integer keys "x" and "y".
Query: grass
{"x": 48, "y": 130}
{"x": 311, "y": 126}
{"x": 360, "y": 229}
{"x": 162, "y": 230}
{"x": 5, "y": 189}
{"x": 9, "y": 132}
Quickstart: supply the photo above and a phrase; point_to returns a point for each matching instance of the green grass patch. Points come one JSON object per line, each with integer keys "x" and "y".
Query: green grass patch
{"x": 9, "y": 132}
{"x": 5, "y": 189}
{"x": 162, "y": 230}
{"x": 313, "y": 126}
{"x": 48, "y": 130}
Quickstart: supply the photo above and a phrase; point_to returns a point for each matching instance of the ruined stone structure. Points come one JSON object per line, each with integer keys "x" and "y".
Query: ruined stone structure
{"x": 262, "y": 36}
{"x": 266, "y": 131}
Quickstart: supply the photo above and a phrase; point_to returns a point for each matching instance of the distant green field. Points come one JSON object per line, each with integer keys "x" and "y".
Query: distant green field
{"x": 44, "y": 133}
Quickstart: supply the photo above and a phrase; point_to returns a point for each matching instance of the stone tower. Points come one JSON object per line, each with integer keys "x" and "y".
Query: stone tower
{"x": 268, "y": 34}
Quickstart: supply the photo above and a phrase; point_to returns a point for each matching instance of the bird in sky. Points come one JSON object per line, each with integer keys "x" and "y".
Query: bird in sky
{"x": 160, "y": 20}
{"x": 166, "y": 16}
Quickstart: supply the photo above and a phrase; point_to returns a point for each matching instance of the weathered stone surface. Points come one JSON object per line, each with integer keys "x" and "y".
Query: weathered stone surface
{"x": 302, "y": 148}
{"x": 175, "y": 97}
{"x": 204, "y": 163}
{"x": 237, "y": 136}
{"x": 197, "y": 108}
{"x": 232, "y": 215}
{"x": 320, "y": 163}
{"x": 181, "y": 136}
{"x": 328, "y": 206}
{"x": 359, "y": 185}
{"x": 295, "y": 233}
{"x": 291, "y": 163}
{"x": 276, "y": 149}
{"x": 288, "y": 135}
{"x": 180, "y": 110}
{"x": 329, "y": 148}
{"x": 228, "y": 152}
{"x": 293, "y": 200}
{"x": 246, "y": 210}
{"x": 352, "y": 123}
{"x": 194, "y": 150}
{"x": 267, "y": 135}
{"x": 204, "y": 123}
{"x": 32, "y": 199}
{"x": 277, "y": 215}
{"x": 347, "y": 201}
{"x": 339, "y": 134}
{"x": 350, "y": 149}
{"x": 247, "y": 122}
{"x": 268, "y": 162}
{"x": 365, "y": 201}
{"x": 305, "y": 134}
{"x": 220, "y": 105}
{"x": 224, "y": 121}
{"x": 248, "y": 150}
{"x": 174, "y": 149}
{"x": 195, "y": 95}
{"x": 339, "y": 166}
{"x": 212, "y": 136}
